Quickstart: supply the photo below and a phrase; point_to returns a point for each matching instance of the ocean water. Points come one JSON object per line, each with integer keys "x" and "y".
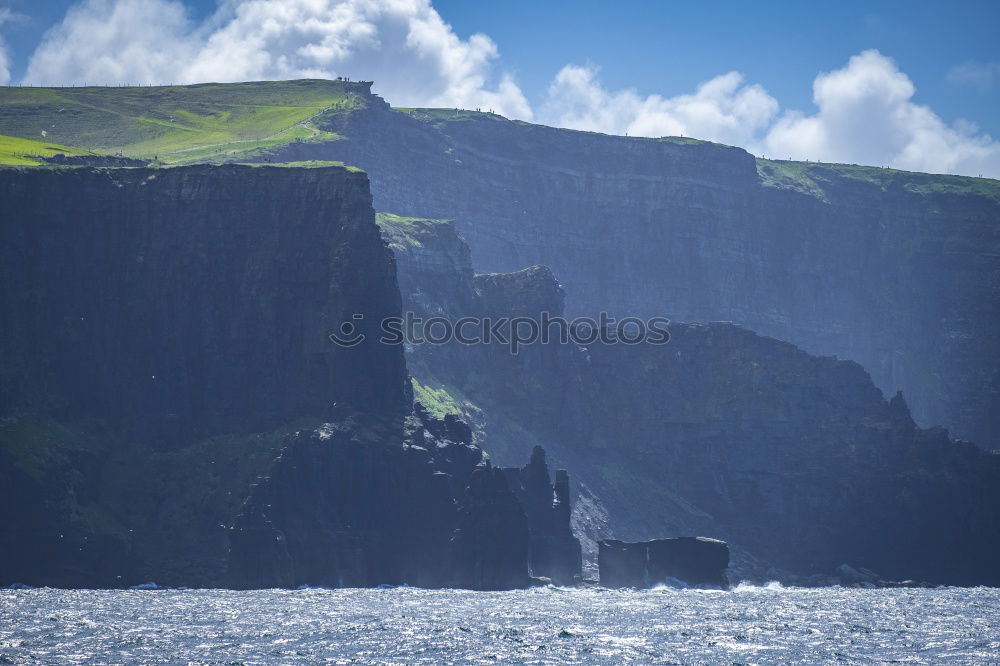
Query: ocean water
{"x": 539, "y": 626}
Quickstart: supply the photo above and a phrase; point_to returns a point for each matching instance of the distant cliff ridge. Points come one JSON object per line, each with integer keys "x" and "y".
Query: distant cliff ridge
{"x": 897, "y": 271}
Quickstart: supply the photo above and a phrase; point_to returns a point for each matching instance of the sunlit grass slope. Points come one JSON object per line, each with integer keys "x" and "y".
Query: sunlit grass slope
{"x": 403, "y": 233}
{"x": 15, "y": 151}
{"x": 176, "y": 124}
{"x": 815, "y": 178}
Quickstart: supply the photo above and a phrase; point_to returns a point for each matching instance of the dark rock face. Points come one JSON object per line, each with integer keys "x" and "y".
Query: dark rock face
{"x": 178, "y": 311}
{"x": 796, "y": 459}
{"x": 896, "y": 271}
{"x": 95, "y": 161}
{"x": 366, "y": 500}
{"x": 358, "y": 504}
{"x": 491, "y": 545}
{"x": 696, "y": 561}
{"x": 622, "y": 564}
{"x": 435, "y": 254}
{"x": 42, "y": 541}
{"x": 554, "y": 552}
{"x": 353, "y": 505}
{"x": 176, "y": 304}
{"x": 173, "y": 410}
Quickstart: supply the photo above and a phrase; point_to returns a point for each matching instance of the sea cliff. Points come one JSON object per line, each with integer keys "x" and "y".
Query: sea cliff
{"x": 175, "y": 411}
{"x": 896, "y": 271}
{"x": 796, "y": 460}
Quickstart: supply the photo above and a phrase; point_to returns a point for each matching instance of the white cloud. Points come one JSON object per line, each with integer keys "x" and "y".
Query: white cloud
{"x": 977, "y": 74}
{"x": 115, "y": 41}
{"x": 867, "y": 116}
{"x": 414, "y": 57}
{"x": 723, "y": 109}
{"x": 5, "y": 15}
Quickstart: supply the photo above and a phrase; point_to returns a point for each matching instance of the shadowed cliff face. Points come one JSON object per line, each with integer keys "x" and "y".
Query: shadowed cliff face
{"x": 899, "y": 272}
{"x": 173, "y": 409}
{"x": 176, "y": 304}
{"x": 362, "y": 503}
{"x": 363, "y": 500}
{"x": 724, "y": 433}
{"x": 153, "y": 320}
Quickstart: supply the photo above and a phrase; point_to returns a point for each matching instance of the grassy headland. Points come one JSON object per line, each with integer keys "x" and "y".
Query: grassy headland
{"x": 176, "y": 124}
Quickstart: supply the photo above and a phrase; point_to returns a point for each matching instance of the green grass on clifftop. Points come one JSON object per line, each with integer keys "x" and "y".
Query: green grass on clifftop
{"x": 25, "y": 152}
{"x": 816, "y": 178}
{"x": 306, "y": 164}
{"x": 240, "y": 122}
{"x": 403, "y": 233}
{"x": 441, "y": 117}
{"x": 177, "y": 124}
{"x": 449, "y": 115}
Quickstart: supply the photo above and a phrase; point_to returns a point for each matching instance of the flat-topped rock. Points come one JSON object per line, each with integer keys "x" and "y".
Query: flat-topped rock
{"x": 695, "y": 561}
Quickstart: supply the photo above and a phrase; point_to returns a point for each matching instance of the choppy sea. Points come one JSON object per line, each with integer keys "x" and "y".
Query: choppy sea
{"x": 748, "y": 625}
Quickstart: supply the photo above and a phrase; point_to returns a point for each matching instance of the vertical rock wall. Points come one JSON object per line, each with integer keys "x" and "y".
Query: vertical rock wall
{"x": 897, "y": 271}
{"x": 175, "y": 304}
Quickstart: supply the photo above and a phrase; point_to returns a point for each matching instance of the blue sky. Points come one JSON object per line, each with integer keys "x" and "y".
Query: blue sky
{"x": 668, "y": 48}
{"x": 634, "y": 66}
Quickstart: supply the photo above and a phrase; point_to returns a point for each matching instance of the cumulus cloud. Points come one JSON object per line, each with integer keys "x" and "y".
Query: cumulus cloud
{"x": 723, "y": 109}
{"x": 5, "y": 15}
{"x": 867, "y": 116}
{"x": 115, "y": 41}
{"x": 415, "y": 58}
